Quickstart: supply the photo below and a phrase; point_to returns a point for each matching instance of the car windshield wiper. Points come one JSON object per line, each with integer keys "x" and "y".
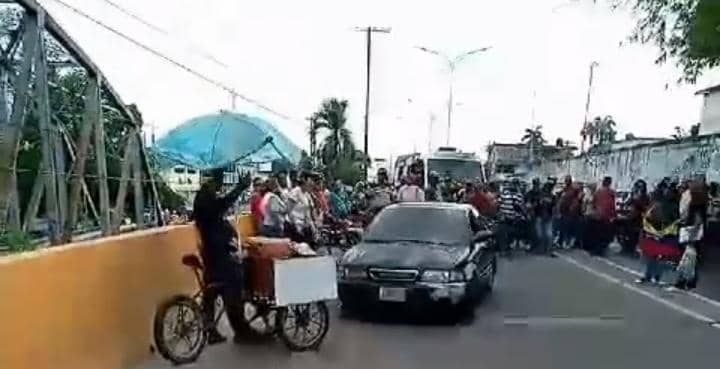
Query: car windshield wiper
{"x": 424, "y": 242}
{"x": 378, "y": 241}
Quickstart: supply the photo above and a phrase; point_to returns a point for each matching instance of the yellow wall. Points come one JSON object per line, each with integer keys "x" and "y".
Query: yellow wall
{"x": 90, "y": 305}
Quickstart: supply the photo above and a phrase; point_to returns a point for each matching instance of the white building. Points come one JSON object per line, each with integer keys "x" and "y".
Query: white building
{"x": 183, "y": 180}
{"x": 710, "y": 114}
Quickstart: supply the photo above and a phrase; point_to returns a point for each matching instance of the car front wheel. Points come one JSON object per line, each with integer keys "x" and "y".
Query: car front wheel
{"x": 490, "y": 277}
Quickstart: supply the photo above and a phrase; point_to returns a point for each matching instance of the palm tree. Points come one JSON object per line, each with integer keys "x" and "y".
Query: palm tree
{"x": 534, "y": 139}
{"x": 679, "y": 134}
{"x": 608, "y": 131}
{"x": 534, "y": 135}
{"x": 338, "y": 144}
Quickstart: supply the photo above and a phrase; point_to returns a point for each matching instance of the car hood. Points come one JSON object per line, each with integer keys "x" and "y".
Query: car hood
{"x": 405, "y": 255}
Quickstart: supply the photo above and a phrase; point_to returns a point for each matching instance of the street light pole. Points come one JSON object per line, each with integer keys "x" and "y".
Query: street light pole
{"x": 369, "y": 31}
{"x": 593, "y": 65}
{"x": 450, "y": 102}
{"x": 452, "y": 64}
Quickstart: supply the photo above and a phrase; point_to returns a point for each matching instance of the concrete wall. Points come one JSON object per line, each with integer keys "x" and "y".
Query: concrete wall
{"x": 710, "y": 115}
{"x": 649, "y": 162}
{"x": 90, "y": 305}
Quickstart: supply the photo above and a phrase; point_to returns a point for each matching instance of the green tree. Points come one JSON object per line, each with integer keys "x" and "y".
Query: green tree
{"x": 534, "y": 136}
{"x": 606, "y": 131}
{"x": 685, "y": 31}
{"x": 534, "y": 139}
{"x": 338, "y": 145}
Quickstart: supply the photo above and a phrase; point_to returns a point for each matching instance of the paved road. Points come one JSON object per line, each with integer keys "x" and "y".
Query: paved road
{"x": 567, "y": 312}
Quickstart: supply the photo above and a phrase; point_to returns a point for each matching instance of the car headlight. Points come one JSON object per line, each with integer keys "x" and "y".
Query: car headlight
{"x": 442, "y": 276}
{"x": 349, "y": 272}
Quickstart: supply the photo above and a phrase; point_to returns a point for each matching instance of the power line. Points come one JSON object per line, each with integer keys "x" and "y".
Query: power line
{"x": 136, "y": 17}
{"x": 178, "y": 64}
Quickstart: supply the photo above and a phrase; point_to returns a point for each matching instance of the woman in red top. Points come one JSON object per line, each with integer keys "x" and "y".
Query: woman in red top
{"x": 256, "y": 210}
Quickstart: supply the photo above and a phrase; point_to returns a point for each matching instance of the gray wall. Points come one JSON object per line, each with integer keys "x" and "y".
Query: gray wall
{"x": 648, "y": 162}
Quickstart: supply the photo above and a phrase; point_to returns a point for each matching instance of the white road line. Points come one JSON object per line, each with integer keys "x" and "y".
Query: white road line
{"x": 660, "y": 300}
{"x": 637, "y": 273}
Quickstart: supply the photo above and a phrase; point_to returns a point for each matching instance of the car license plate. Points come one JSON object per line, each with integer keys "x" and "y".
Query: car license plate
{"x": 392, "y": 294}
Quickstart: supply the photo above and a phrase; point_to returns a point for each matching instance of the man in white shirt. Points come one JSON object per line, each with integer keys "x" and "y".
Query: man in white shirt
{"x": 300, "y": 208}
{"x": 410, "y": 192}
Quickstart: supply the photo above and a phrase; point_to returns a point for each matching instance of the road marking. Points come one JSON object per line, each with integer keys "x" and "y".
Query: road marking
{"x": 660, "y": 300}
{"x": 558, "y": 321}
{"x": 637, "y": 273}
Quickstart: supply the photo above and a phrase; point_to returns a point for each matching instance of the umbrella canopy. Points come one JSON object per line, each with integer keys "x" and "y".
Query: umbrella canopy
{"x": 218, "y": 140}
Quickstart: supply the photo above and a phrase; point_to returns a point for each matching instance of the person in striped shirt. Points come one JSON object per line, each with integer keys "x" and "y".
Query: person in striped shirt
{"x": 512, "y": 214}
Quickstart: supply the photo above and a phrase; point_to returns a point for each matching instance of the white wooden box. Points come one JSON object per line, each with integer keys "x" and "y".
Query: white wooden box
{"x": 304, "y": 280}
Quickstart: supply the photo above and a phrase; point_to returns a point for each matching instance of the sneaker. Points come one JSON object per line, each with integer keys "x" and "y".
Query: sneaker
{"x": 642, "y": 280}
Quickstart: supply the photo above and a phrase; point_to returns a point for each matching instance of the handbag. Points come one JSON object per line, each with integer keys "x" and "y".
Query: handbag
{"x": 693, "y": 233}
{"x": 686, "y": 266}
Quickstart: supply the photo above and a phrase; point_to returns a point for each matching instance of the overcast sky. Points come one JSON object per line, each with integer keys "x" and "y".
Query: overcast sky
{"x": 292, "y": 54}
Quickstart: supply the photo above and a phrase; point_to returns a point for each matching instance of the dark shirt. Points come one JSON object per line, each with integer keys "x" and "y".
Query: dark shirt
{"x": 218, "y": 235}
{"x": 544, "y": 205}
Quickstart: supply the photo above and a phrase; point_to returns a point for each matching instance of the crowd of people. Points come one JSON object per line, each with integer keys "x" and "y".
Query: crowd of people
{"x": 670, "y": 225}
{"x": 295, "y": 205}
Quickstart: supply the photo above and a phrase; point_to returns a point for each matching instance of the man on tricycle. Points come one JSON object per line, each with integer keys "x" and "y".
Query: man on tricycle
{"x": 220, "y": 252}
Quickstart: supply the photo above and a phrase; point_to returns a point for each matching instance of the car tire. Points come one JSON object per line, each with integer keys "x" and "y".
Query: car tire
{"x": 490, "y": 280}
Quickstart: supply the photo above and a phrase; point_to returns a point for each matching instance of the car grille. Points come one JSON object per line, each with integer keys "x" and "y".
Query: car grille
{"x": 399, "y": 275}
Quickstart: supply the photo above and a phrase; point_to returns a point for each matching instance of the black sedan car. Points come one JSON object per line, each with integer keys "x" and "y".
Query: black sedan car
{"x": 418, "y": 254}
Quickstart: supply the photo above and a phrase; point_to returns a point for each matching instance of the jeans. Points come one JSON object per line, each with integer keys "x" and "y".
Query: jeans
{"x": 654, "y": 269}
{"x": 543, "y": 234}
{"x": 567, "y": 229}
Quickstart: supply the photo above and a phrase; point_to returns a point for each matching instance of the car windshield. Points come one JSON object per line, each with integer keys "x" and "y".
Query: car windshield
{"x": 456, "y": 169}
{"x": 421, "y": 225}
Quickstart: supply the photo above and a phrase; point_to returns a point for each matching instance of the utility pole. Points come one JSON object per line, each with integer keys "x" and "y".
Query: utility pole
{"x": 369, "y": 31}
{"x": 233, "y": 100}
{"x": 593, "y": 65}
{"x": 313, "y": 142}
{"x": 430, "y": 128}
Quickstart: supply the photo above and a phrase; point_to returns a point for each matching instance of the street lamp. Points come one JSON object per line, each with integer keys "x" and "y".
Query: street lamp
{"x": 452, "y": 64}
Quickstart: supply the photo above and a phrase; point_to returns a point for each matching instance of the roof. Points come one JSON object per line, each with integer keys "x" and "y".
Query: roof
{"x": 708, "y": 90}
{"x": 508, "y": 144}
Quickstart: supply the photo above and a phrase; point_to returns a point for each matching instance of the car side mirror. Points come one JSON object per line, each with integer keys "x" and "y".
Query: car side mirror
{"x": 482, "y": 236}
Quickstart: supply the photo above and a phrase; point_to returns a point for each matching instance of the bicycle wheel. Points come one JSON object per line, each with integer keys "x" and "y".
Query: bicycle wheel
{"x": 303, "y": 327}
{"x": 179, "y": 330}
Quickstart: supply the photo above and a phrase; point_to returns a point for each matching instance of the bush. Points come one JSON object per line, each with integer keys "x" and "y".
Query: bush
{"x": 16, "y": 241}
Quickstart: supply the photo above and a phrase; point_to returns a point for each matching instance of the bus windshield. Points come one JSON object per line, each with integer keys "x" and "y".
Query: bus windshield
{"x": 457, "y": 169}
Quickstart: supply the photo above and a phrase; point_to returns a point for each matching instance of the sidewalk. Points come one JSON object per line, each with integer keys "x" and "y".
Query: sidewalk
{"x": 708, "y": 285}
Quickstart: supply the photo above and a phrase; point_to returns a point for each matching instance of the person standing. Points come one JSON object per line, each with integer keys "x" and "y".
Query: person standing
{"x": 482, "y": 201}
{"x": 275, "y": 211}
{"x": 604, "y": 205}
{"x": 585, "y": 234}
{"x": 300, "y": 210}
{"x": 339, "y": 206}
{"x": 410, "y": 192}
{"x": 542, "y": 203}
{"x": 693, "y": 217}
{"x": 568, "y": 213}
{"x": 256, "y": 199}
{"x": 512, "y": 213}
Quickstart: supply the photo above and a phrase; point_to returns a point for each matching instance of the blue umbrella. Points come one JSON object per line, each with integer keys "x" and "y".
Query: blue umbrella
{"x": 218, "y": 140}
